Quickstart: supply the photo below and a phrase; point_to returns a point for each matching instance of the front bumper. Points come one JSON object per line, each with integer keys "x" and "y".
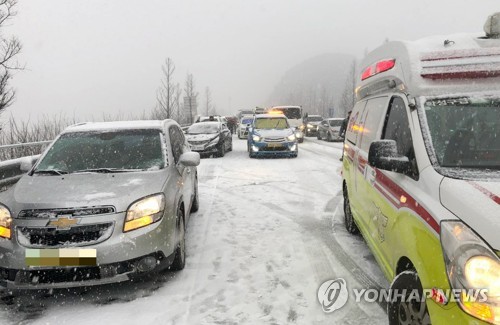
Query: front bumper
{"x": 204, "y": 148}
{"x": 116, "y": 256}
{"x": 72, "y": 277}
{"x": 288, "y": 148}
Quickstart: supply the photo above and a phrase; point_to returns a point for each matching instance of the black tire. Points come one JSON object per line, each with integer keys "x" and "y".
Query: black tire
{"x": 222, "y": 149}
{"x": 196, "y": 200}
{"x": 319, "y": 136}
{"x": 350, "y": 224}
{"x": 402, "y": 311}
{"x": 180, "y": 250}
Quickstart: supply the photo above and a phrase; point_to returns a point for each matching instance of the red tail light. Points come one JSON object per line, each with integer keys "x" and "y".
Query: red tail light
{"x": 377, "y": 68}
{"x": 367, "y": 73}
{"x": 385, "y": 65}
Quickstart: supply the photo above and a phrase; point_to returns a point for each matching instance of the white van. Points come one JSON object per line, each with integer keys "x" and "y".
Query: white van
{"x": 421, "y": 174}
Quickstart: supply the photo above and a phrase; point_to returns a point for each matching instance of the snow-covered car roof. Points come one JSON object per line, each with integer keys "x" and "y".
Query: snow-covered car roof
{"x": 120, "y": 125}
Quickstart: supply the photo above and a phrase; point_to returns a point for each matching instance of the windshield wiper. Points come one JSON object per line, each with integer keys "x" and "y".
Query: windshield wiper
{"x": 50, "y": 171}
{"x": 106, "y": 170}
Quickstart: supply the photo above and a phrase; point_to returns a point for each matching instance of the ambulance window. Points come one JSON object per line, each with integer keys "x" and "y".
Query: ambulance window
{"x": 397, "y": 128}
{"x": 375, "y": 109}
{"x": 353, "y": 126}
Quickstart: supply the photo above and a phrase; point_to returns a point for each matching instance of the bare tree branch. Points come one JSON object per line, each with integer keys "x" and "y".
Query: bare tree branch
{"x": 9, "y": 49}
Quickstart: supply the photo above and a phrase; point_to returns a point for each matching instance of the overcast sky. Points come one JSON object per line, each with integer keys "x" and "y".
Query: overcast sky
{"x": 86, "y": 57}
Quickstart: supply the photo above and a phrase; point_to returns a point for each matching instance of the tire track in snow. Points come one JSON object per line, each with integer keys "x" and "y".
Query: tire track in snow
{"x": 206, "y": 226}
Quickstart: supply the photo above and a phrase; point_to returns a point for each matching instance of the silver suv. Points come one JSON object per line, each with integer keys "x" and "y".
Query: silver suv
{"x": 105, "y": 202}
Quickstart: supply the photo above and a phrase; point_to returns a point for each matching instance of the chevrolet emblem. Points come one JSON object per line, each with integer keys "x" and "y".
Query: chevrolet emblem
{"x": 63, "y": 222}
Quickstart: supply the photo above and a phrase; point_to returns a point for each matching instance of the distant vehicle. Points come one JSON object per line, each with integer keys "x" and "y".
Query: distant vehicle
{"x": 421, "y": 177}
{"x": 329, "y": 129}
{"x": 245, "y": 112}
{"x": 210, "y": 138}
{"x": 295, "y": 118}
{"x": 242, "y": 128}
{"x": 102, "y": 205}
{"x": 211, "y": 118}
{"x": 271, "y": 134}
{"x": 311, "y": 124}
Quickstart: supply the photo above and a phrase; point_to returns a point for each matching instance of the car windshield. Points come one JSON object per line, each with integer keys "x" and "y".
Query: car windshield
{"x": 312, "y": 118}
{"x": 290, "y": 112}
{"x": 465, "y": 132}
{"x": 99, "y": 151}
{"x": 271, "y": 123}
{"x": 246, "y": 121}
{"x": 334, "y": 123}
{"x": 203, "y": 128}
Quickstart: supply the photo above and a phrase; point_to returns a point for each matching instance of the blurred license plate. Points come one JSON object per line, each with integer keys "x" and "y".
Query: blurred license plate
{"x": 61, "y": 257}
{"x": 274, "y": 145}
{"x": 197, "y": 148}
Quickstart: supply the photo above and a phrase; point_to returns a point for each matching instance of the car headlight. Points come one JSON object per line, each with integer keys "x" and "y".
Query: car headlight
{"x": 472, "y": 265}
{"x": 144, "y": 212}
{"x": 214, "y": 140}
{"x": 256, "y": 138}
{"x": 5, "y": 222}
{"x": 309, "y": 125}
{"x": 291, "y": 137}
{"x": 301, "y": 127}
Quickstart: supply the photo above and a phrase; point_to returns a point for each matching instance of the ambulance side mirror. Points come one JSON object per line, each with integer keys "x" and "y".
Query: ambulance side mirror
{"x": 384, "y": 155}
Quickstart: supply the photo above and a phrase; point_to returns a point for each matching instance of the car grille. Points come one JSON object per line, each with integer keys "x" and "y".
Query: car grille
{"x": 39, "y": 237}
{"x": 76, "y": 274}
{"x": 75, "y": 212}
{"x": 284, "y": 148}
{"x": 274, "y": 139}
{"x": 197, "y": 143}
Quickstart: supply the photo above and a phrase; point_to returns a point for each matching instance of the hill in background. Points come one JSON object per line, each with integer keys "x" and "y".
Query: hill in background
{"x": 316, "y": 84}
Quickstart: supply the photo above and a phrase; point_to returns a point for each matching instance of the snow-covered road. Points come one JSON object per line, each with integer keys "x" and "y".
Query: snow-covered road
{"x": 268, "y": 233}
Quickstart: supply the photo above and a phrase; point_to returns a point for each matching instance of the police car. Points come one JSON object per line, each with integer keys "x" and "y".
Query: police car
{"x": 421, "y": 174}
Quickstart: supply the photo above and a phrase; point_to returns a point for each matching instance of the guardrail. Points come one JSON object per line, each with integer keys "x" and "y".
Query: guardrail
{"x": 10, "y": 170}
{"x": 27, "y": 144}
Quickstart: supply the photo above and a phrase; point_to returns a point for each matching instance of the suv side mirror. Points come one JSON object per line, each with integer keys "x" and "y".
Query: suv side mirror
{"x": 26, "y": 164}
{"x": 383, "y": 154}
{"x": 190, "y": 159}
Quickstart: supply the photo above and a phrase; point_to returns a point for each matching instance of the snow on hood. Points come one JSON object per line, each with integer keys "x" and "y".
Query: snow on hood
{"x": 477, "y": 203}
{"x": 86, "y": 189}
{"x": 274, "y": 132}
{"x": 201, "y": 137}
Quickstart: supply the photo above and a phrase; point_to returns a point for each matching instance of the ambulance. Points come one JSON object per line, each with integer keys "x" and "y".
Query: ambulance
{"x": 421, "y": 174}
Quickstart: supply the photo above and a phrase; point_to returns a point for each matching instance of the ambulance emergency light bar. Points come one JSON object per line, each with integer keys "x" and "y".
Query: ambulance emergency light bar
{"x": 378, "y": 67}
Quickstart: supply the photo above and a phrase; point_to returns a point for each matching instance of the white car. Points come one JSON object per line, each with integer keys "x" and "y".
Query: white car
{"x": 242, "y": 128}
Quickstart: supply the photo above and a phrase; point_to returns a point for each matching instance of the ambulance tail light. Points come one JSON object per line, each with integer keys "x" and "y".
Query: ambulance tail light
{"x": 378, "y": 67}
{"x": 384, "y": 65}
{"x": 367, "y": 73}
